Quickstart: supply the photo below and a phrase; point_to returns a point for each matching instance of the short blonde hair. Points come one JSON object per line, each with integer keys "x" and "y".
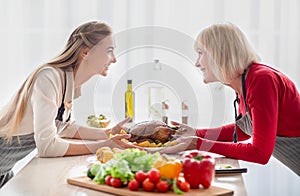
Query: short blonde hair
{"x": 229, "y": 51}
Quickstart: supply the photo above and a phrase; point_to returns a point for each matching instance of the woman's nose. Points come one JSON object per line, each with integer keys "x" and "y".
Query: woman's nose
{"x": 197, "y": 64}
{"x": 114, "y": 60}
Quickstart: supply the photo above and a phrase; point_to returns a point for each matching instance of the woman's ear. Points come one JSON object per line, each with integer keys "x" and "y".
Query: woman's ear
{"x": 84, "y": 51}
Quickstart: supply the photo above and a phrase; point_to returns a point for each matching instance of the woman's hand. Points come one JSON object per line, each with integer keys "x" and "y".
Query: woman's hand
{"x": 187, "y": 139}
{"x": 184, "y": 143}
{"x": 118, "y": 127}
{"x": 118, "y": 142}
{"x": 184, "y": 130}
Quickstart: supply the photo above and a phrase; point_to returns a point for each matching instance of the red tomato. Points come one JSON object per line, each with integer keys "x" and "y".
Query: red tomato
{"x": 179, "y": 181}
{"x": 184, "y": 186}
{"x": 162, "y": 186}
{"x": 148, "y": 186}
{"x": 116, "y": 182}
{"x": 133, "y": 185}
{"x": 140, "y": 176}
{"x": 107, "y": 180}
{"x": 153, "y": 175}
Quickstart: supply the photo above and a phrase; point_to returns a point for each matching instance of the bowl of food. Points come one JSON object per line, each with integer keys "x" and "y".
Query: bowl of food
{"x": 99, "y": 122}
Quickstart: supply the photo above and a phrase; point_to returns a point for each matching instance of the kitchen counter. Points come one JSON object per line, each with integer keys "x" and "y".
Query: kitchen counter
{"x": 47, "y": 176}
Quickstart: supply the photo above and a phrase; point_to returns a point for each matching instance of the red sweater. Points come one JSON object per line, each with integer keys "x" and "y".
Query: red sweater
{"x": 274, "y": 107}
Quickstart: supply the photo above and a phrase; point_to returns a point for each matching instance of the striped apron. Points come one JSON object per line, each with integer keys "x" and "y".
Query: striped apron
{"x": 12, "y": 152}
{"x": 287, "y": 151}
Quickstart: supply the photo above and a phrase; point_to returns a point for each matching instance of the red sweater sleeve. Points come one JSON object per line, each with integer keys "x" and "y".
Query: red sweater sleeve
{"x": 224, "y": 133}
{"x": 262, "y": 100}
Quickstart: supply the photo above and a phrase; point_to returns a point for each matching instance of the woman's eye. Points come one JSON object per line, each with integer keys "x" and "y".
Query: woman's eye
{"x": 110, "y": 53}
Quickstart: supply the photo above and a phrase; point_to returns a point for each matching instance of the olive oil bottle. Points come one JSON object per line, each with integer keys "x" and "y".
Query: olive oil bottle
{"x": 129, "y": 101}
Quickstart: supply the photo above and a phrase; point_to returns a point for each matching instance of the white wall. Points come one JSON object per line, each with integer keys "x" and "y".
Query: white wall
{"x": 33, "y": 32}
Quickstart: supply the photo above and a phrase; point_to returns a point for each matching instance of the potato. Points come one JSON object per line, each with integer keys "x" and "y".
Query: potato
{"x": 123, "y": 131}
{"x": 159, "y": 144}
{"x": 152, "y": 144}
{"x": 144, "y": 144}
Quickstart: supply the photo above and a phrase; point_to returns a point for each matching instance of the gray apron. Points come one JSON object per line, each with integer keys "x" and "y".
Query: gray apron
{"x": 286, "y": 150}
{"x": 12, "y": 152}
{"x": 21, "y": 146}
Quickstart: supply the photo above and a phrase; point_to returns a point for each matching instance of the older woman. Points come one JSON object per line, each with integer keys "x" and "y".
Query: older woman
{"x": 268, "y": 102}
{"x": 39, "y": 114}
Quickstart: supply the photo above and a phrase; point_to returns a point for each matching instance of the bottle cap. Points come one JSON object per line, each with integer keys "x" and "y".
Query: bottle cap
{"x": 165, "y": 106}
{"x": 129, "y": 81}
{"x": 184, "y": 106}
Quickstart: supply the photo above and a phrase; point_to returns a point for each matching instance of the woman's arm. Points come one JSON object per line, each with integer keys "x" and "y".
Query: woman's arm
{"x": 224, "y": 133}
{"x": 90, "y": 133}
{"x": 89, "y": 147}
{"x": 263, "y": 103}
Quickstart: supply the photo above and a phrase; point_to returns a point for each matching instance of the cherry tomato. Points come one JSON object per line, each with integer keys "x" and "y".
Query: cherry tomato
{"x": 107, "y": 180}
{"x": 179, "y": 181}
{"x": 162, "y": 186}
{"x": 184, "y": 186}
{"x": 140, "y": 176}
{"x": 116, "y": 182}
{"x": 153, "y": 175}
{"x": 148, "y": 186}
{"x": 133, "y": 185}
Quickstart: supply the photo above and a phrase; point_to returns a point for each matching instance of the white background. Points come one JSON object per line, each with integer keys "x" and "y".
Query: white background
{"x": 33, "y": 32}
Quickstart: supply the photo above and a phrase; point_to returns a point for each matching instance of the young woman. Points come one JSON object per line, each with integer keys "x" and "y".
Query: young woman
{"x": 268, "y": 102}
{"x": 38, "y": 116}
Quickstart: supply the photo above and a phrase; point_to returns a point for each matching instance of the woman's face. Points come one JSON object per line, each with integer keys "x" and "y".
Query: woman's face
{"x": 203, "y": 65}
{"x": 99, "y": 58}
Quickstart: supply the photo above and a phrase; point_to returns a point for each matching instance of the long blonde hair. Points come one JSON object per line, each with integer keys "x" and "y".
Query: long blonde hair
{"x": 230, "y": 53}
{"x": 86, "y": 35}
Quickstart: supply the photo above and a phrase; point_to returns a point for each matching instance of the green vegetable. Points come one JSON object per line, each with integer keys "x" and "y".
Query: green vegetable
{"x": 175, "y": 187}
{"x": 89, "y": 174}
{"x": 100, "y": 175}
{"x": 101, "y": 117}
{"x": 123, "y": 165}
{"x": 119, "y": 169}
{"x": 91, "y": 117}
{"x": 137, "y": 159}
{"x": 94, "y": 169}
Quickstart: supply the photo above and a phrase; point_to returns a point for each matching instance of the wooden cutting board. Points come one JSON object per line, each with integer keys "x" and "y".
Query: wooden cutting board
{"x": 86, "y": 182}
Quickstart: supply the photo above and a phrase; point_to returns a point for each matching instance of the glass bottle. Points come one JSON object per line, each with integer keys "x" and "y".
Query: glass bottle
{"x": 185, "y": 112}
{"x": 129, "y": 101}
{"x": 165, "y": 111}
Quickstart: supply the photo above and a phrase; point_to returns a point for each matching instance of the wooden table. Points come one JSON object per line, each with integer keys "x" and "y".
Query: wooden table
{"x": 47, "y": 176}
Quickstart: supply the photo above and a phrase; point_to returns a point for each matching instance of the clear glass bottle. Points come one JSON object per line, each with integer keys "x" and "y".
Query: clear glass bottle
{"x": 129, "y": 101}
{"x": 165, "y": 111}
{"x": 185, "y": 112}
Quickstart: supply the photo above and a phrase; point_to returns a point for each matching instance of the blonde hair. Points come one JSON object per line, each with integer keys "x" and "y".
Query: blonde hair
{"x": 86, "y": 35}
{"x": 229, "y": 51}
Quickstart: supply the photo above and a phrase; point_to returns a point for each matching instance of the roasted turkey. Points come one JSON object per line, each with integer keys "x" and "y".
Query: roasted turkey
{"x": 153, "y": 131}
